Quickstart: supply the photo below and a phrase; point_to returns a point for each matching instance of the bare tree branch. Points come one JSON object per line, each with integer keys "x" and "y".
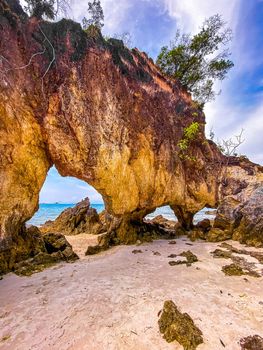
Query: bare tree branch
{"x": 229, "y": 147}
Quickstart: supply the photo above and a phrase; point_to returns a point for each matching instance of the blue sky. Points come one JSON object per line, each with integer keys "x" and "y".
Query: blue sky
{"x": 152, "y": 24}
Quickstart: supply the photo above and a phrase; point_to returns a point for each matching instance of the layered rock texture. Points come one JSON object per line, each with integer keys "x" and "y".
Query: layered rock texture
{"x": 106, "y": 115}
{"x": 248, "y": 224}
{"x": 240, "y": 211}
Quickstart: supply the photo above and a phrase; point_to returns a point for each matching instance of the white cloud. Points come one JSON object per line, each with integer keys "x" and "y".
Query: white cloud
{"x": 227, "y": 120}
{"x": 190, "y": 14}
{"x": 253, "y": 131}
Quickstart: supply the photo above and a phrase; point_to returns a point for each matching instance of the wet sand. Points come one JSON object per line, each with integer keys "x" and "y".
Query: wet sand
{"x": 111, "y": 301}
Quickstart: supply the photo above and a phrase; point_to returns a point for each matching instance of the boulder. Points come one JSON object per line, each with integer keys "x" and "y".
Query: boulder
{"x": 35, "y": 252}
{"x": 248, "y": 220}
{"x": 225, "y": 213}
{"x": 204, "y": 225}
{"x": 161, "y": 221}
{"x": 197, "y": 233}
{"x": 241, "y": 216}
{"x": 145, "y": 231}
{"x": 172, "y": 227}
{"x": 190, "y": 258}
{"x": 218, "y": 235}
{"x": 55, "y": 243}
{"x": 178, "y": 326}
{"x": 26, "y": 244}
{"x": 252, "y": 342}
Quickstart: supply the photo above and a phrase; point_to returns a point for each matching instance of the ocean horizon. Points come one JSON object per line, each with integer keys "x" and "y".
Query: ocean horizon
{"x": 50, "y": 211}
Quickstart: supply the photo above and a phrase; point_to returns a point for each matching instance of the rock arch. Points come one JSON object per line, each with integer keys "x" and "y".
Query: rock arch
{"x": 106, "y": 115}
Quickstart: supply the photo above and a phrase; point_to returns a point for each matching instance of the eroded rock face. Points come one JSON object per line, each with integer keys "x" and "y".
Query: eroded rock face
{"x": 248, "y": 220}
{"x": 79, "y": 219}
{"x": 106, "y": 115}
{"x": 240, "y": 211}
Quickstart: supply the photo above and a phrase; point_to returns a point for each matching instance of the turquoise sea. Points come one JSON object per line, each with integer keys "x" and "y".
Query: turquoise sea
{"x": 51, "y": 212}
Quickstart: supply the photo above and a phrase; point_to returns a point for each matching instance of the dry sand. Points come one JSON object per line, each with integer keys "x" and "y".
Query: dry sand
{"x": 111, "y": 301}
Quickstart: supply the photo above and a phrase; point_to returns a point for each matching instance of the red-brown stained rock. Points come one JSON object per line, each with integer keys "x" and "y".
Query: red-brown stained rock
{"x": 106, "y": 115}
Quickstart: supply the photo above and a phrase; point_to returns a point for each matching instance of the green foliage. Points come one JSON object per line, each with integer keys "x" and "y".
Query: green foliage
{"x": 190, "y": 134}
{"x": 39, "y": 8}
{"x": 196, "y": 62}
{"x": 96, "y": 15}
{"x": 183, "y": 144}
{"x": 191, "y": 131}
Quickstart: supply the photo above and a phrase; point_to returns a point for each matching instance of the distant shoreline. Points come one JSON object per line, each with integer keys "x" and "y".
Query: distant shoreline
{"x": 62, "y": 203}
{"x": 50, "y": 211}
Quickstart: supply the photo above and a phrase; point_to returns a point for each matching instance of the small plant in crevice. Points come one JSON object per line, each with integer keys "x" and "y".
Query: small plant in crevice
{"x": 190, "y": 134}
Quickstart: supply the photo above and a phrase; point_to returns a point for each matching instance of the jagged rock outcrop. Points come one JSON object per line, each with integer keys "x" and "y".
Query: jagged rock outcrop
{"x": 79, "y": 219}
{"x": 104, "y": 114}
{"x": 55, "y": 248}
{"x": 32, "y": 251}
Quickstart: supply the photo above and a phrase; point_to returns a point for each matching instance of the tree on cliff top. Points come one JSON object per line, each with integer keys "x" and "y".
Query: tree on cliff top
{"x": 48, "y": 8}
{"x": 198, "y": 61}
{"x": 96, "y": 15}
{"x": 39, "y": 8}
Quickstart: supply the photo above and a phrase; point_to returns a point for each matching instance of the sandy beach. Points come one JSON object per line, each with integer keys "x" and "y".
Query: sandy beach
{"x": 111, "y": 301}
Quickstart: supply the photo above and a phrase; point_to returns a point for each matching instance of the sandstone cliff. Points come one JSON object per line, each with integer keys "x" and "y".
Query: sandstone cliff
{"x": 103, "y": 114}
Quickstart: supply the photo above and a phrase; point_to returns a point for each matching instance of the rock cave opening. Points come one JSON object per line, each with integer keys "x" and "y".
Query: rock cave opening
{"x": 167, "y": 213}
{"x": 59, "y": 193}
{"x": 205, "y": 213}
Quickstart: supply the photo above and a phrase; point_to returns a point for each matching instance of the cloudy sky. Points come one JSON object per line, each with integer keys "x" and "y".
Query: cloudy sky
{"x": 152, "y": 24}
